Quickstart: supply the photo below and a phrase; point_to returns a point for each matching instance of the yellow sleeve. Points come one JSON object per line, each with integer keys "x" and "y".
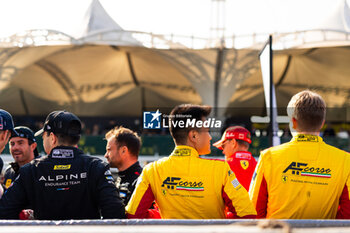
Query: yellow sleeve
{"x": 142, "y": 198}
{"x": 258, "y": 189}
{"x": 235, "y": 196}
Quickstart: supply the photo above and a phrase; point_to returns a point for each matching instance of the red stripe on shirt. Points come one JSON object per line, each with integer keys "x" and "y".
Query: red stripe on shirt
{"x": 230, "y": 211}
{"x": 145, "y": 203}
{"x": 344, "y": 205}
{"x": 228, "y": 204}
{"x": 261, "y": 203}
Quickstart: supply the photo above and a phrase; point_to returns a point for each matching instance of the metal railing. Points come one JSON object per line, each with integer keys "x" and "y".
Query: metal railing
{"x": 286, "y": 40}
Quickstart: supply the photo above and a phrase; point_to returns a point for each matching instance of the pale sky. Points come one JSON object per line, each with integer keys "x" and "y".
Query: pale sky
{"x": 242, "y": 16}
{"x": 181, "y": 17}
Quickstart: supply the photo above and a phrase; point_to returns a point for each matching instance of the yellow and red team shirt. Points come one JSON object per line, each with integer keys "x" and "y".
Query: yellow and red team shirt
{"x": 186, "y": 186}
{"x": 243, "y": 164}
{"x": 302, "y": 179}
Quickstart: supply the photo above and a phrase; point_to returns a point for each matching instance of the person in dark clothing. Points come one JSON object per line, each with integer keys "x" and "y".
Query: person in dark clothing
{"x": 66, "y": 184}
{"x": 1, "y": 166}
{"x": 122, "y": 151}
{"x": 23, "y": 148}
{"x": 6, "y": 128}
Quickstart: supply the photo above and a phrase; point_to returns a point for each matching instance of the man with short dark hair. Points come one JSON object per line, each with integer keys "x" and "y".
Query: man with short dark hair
{"x": 122, "y": 152}
{"x": 304, "y": 178}
{"x": 234, "y": 145}
{"x": 23, "y": 148}
{"x": 66, "y": 184}
{"x": 184, "y": 185}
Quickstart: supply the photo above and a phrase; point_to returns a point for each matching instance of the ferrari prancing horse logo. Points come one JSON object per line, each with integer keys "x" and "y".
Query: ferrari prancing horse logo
{"x": 244, "y": 164}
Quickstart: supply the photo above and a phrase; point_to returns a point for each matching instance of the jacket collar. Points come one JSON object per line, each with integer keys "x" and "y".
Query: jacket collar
{"x": 64, "y": 152}
{"x": 306, "y": 138}
{"x": 130, "y": 169}
{"x": 241, "y": 154}
{"x": 15, "y": 167}
{"x": 184, "y": 151}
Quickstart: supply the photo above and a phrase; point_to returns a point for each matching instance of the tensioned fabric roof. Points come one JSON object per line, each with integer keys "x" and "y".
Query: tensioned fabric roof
{"x": 93, "y": 67}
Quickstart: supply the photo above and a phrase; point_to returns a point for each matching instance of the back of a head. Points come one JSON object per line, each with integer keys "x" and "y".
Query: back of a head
{"x": 65, "y": 125}
{"x": 309, "y": 109}
{"x": 242, "y": 136}
{"x": 239, "y": 133}
{"x": 72, "y": 137}
{"x": 126, "y": 137}
{"x": 6, "y": 122}
{"x": 185, "y": 112}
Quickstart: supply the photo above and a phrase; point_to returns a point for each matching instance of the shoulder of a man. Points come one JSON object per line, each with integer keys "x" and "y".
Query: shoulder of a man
{"x": 212, "y": 161}
{"x": 8, "y": 171}
{"x": 96, "y": 164}
{"x": 150, "y": 167}
{"x": 9, "y": 176}
{"x": 337, "y": 153}
{"x": 335, "y": 149}
{"x": 27, "y": 167}
{"x": 280, "y": 150}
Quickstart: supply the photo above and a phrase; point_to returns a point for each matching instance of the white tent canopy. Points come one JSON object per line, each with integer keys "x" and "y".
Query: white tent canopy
{"x": 88, "y": 64}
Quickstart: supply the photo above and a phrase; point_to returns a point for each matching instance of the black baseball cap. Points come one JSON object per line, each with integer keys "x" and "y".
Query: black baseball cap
{"x": 6, "y": 122}
{"x": 25, "y": 132}
{"x": 61, "y": 122}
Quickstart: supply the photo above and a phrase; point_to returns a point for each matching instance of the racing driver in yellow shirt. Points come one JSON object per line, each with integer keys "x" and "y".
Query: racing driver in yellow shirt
{"x": 304, "y": 178}
{"x": 184, "y": 185}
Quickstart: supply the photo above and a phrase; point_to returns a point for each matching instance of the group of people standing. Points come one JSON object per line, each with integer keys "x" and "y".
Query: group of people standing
{"x": 304, "y": 178}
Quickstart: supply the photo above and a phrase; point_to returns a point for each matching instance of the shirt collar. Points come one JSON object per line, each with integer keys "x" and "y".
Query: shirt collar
{"x": 306, "y": 138}
{"x": 184, "y": 151}
{"x": 240, "y": 154}
{"x": 131, "y": 168}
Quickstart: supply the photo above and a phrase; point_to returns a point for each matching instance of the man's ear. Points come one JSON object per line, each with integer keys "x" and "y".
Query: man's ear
{"x": 5, "y": 135}
{"x": 234, "y": 142}
{"x": 33, "y": 146}
{"x": 192, "y": 135}
{"x": 294, "y": 123}
{"x": 53, "y": 138}
{"x": 125, "y": 149}
{"x": 122, "y": 150}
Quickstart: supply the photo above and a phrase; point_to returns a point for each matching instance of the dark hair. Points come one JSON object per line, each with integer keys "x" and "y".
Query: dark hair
{"x": 126, "y": 137}
{"x": 242, "y": 143}
{"x": 67, "y": 140}
{"x": 36, "y": 152}
{"x": 183, "y": 112}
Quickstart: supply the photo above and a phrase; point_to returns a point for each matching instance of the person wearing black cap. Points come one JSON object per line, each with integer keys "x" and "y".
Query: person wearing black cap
{"x": 23, "y": 148}
{"x": 66, "y": 184}
{"x": 6, "y": 128}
